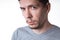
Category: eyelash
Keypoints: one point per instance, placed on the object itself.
(22, 8)
(34, 7)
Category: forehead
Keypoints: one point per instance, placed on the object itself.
(25, 3)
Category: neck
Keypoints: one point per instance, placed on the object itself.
(46, 27)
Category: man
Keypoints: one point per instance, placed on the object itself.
(36, 15)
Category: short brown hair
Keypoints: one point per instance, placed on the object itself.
(42, 1)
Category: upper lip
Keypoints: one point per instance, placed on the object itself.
(30, 22)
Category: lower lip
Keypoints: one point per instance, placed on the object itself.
(31, 23)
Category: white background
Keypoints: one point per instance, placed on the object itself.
(11, 17)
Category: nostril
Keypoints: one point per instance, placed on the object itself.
(29, 15)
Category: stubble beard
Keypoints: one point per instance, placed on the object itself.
(40, 25)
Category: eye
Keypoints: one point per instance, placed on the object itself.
(22, 8)
(33, 7)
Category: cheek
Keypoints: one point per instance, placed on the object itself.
(39, 16)
(36, 17)
(24, 15)
(36, 14)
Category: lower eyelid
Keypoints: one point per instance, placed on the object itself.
(33, 7)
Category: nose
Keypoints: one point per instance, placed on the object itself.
(28, 13)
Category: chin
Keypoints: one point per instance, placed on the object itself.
(33, 26)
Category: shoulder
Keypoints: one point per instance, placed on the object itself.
(18, 33)
(20, 30)
(55, 32)
(56, 29)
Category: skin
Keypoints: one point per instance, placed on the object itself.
(36, 15)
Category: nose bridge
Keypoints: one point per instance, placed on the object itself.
(28, 13)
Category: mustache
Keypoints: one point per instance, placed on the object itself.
(30, 20)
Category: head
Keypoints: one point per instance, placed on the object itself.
(35, 12)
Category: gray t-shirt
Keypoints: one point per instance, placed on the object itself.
(25, 33)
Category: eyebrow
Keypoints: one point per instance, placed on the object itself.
(31, 5)
(21, 7)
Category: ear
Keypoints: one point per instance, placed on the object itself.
(48, 7)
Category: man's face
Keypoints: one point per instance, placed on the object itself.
(34, 13)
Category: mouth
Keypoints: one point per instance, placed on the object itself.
(30, 22)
